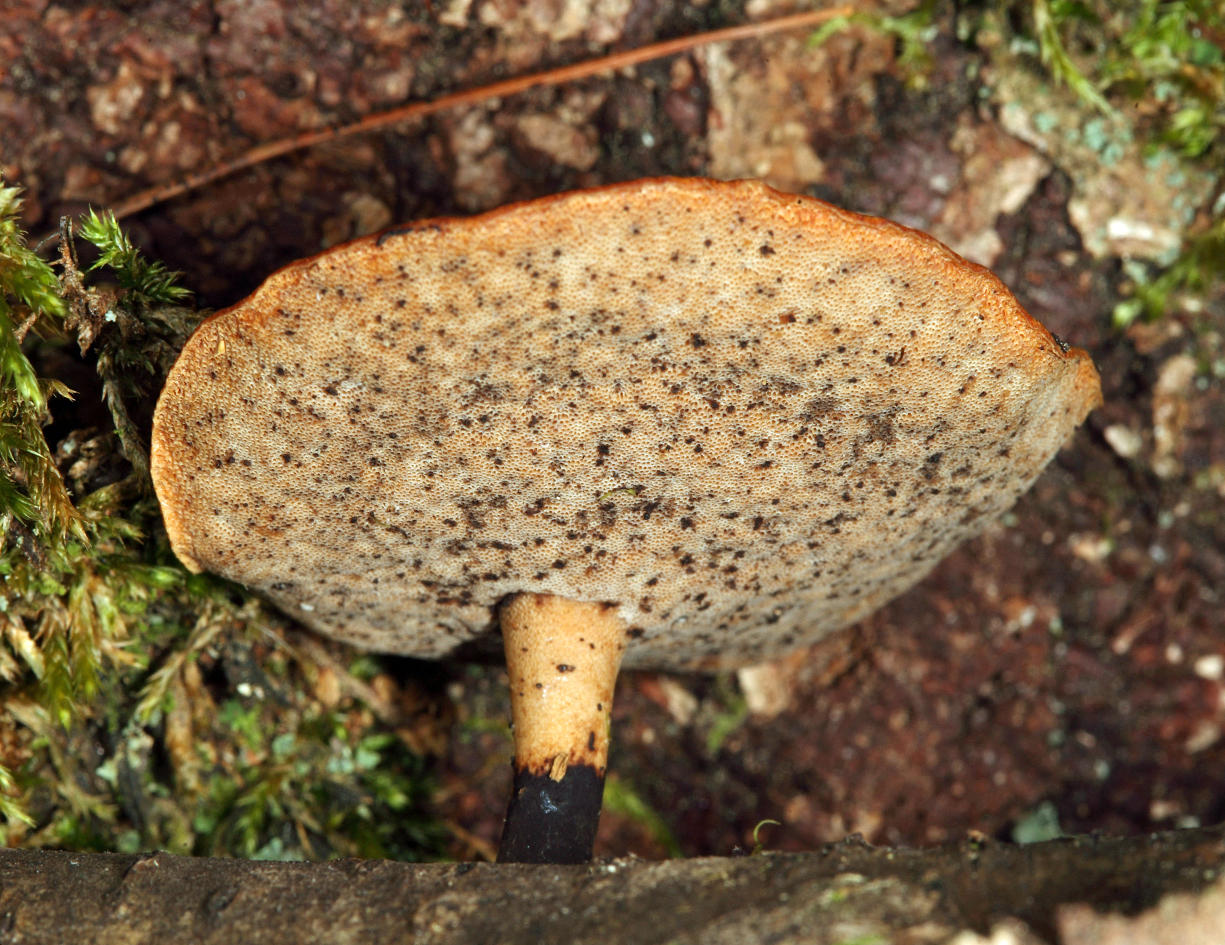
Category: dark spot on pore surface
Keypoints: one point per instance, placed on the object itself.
(880, 427)
(818, 407)
(565, 668)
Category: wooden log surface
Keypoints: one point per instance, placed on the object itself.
(844, 892)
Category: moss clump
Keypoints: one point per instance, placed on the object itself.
(1159, 59)
(131, 721)
(1154, 68)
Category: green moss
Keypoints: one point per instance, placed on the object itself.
(1159, 58)
(1149, 69)
(148, 280)
(1050, 19)
(1199, 268)
(307, 789)
(913, 33)
(131, 719)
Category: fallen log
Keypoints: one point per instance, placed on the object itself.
(843, 892)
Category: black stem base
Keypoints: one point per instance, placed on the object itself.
(551, 821)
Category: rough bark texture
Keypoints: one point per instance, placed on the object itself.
(844, 892)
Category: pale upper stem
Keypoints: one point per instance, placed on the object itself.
(562, 657)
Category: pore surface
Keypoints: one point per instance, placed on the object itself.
(745, 417)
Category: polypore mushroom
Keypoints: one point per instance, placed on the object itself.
(697, 423)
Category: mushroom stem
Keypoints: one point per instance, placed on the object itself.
(562, 657)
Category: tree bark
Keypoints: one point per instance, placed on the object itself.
(843, 892)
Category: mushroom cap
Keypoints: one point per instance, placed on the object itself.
(748, 418)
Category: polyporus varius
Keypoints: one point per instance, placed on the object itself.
(687, 422)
